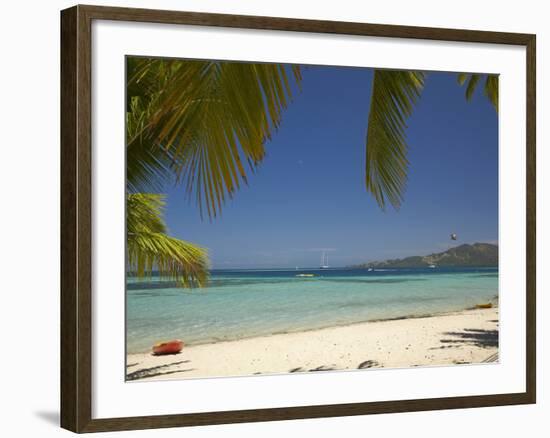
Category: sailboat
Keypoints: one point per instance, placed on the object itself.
(324, 261)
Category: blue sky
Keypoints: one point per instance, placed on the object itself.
(309, 192)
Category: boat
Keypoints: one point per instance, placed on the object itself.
(432, 266)
(167, 347)
(369, 270)
(324, 261)
(305, 275)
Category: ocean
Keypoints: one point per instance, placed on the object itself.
(244, 303)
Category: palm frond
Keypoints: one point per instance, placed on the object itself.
(394, 94)
(147, 164)
(472, 80)
(149, 248)
(185, 262)
(491, 90)
(461, 78)
(211, 120)
(144, 213)
(472, 84)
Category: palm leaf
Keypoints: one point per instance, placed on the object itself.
(491, 90)
(147, 164)
(149, 248)
(472, 80)
(210, 119)
(394, 94)
(178, 259)
(472, 84)
(144, 213)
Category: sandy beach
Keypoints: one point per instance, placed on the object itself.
(470, 336)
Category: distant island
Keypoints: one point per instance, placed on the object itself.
(478, 254)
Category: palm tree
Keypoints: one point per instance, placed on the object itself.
(200, 123)
(204, 124)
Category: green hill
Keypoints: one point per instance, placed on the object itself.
(478, 254)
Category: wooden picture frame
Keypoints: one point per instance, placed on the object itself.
(76, 218)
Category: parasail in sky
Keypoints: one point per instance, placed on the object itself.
(453, 236)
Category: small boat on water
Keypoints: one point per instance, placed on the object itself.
(168, 347)
(432, 266)
(305, 275)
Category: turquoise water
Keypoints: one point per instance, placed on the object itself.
(239, 304)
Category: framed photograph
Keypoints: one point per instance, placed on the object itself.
(269, 218)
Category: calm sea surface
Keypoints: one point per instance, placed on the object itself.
(245, 303)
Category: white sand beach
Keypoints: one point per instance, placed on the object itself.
(469, 336)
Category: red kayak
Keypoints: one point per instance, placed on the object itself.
(168, 347)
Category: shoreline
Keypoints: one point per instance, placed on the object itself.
(467, 336)
(493, 301)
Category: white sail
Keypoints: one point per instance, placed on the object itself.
(324, 260)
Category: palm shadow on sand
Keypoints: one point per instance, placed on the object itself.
(156, 371)
(473, 337)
